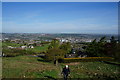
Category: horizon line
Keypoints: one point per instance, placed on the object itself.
(54, 33)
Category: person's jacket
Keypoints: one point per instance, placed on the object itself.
(66, 70)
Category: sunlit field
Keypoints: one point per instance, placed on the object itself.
(35, 67)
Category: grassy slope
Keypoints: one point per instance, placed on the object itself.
(87, 69)
(30, 67)
(27, 66)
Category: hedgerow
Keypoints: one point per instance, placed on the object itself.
(88, 59)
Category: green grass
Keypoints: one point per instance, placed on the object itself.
(39, 49)
(15, 67)
(0, 67)
(5, 44)
(36, 49)
(87, 69)
(31, 67)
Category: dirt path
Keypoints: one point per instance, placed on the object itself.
(73, 63)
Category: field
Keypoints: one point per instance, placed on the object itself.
(38, 49)
(27, 66)
(36, 67)
(5, 44)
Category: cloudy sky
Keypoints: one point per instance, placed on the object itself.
(60, 17)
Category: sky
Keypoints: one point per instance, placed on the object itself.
(60, 17)
(60, 0)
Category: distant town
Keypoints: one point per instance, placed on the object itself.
(31, 38)
(34, 40)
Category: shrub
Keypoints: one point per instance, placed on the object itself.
(88, 59)
(13, 52)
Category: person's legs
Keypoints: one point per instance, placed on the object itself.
(65, 76)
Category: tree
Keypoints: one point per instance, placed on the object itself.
(117, 53)
(57, 51)
(66, 47)
(96, 48)
(113, 48)
(112, 40)
(91, 49)
(102, 40)
(54, 54)
(54, 44)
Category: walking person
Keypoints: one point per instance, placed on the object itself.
(66, 72)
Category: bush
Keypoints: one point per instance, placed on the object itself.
(87, 59)
(13, 52)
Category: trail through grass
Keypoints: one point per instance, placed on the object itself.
(31, 67)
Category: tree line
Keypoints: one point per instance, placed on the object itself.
(102, 48)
